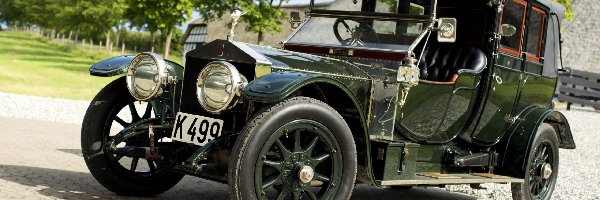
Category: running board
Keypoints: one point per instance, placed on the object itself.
(442, 179)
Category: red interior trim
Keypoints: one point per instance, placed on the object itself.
(509, 51)
(451, 82)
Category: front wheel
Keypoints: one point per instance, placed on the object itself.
(112, 109)
(542, 167)
(299, 148)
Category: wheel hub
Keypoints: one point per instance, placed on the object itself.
(306, 174)
(546, 171)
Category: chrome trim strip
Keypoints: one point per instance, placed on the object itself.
(371, 98)
(322, 73)
(296, 30)
(350, 48)
(418, 40)
(434, 181)
(260, 59)
(298, 53)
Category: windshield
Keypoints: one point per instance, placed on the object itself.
(413, 7)
(380, 24)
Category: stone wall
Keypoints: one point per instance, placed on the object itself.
(581, 48)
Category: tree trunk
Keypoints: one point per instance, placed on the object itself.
(168, 42)
(107, 34)
(152, 42)
(70, 34)
(77, 35)
(117, 40)
(261, 37)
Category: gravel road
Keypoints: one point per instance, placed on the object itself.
(578, 168)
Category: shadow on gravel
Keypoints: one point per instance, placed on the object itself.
(53, 183)
(366, 192)
(78, 185)
(76, 152)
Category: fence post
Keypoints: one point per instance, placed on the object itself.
(82, 44)
(91, 44)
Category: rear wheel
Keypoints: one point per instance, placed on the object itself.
(297, 149)
(542, 167)
(112, 109)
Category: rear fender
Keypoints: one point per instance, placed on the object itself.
(520, 139)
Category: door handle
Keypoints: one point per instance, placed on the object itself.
(498, 79)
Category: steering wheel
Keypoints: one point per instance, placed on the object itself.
(362, 31)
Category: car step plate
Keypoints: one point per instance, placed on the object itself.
(433, 178)
(437, 175)
(488, 175)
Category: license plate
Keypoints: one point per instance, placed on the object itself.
(196, 129)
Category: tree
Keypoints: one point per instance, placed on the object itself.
(91, 16)
(262, 16)
(154, 15)
(27, 12)
(106, 13)
(569, 15)
(9, 13)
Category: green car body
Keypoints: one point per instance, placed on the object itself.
(483, 121)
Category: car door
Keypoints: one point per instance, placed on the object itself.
(540, 67)
(507, 76)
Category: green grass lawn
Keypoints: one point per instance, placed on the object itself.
(32, 65)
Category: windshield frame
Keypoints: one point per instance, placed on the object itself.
(428, 21)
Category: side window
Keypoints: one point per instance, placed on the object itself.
(535, 33)
(513, 13)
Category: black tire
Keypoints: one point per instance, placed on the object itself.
(535, 186)
(94, 131)
(265, 123)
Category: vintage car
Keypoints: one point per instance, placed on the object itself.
(392, 93)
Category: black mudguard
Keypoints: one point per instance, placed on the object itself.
(519, 141)
(118, 65)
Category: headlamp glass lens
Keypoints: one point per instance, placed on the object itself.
(145, 77)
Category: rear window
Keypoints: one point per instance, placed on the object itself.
(535, 32)
(513, 14)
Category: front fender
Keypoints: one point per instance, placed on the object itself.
(520, 138)
(276, 86)
(118, 65)
(112, 66)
